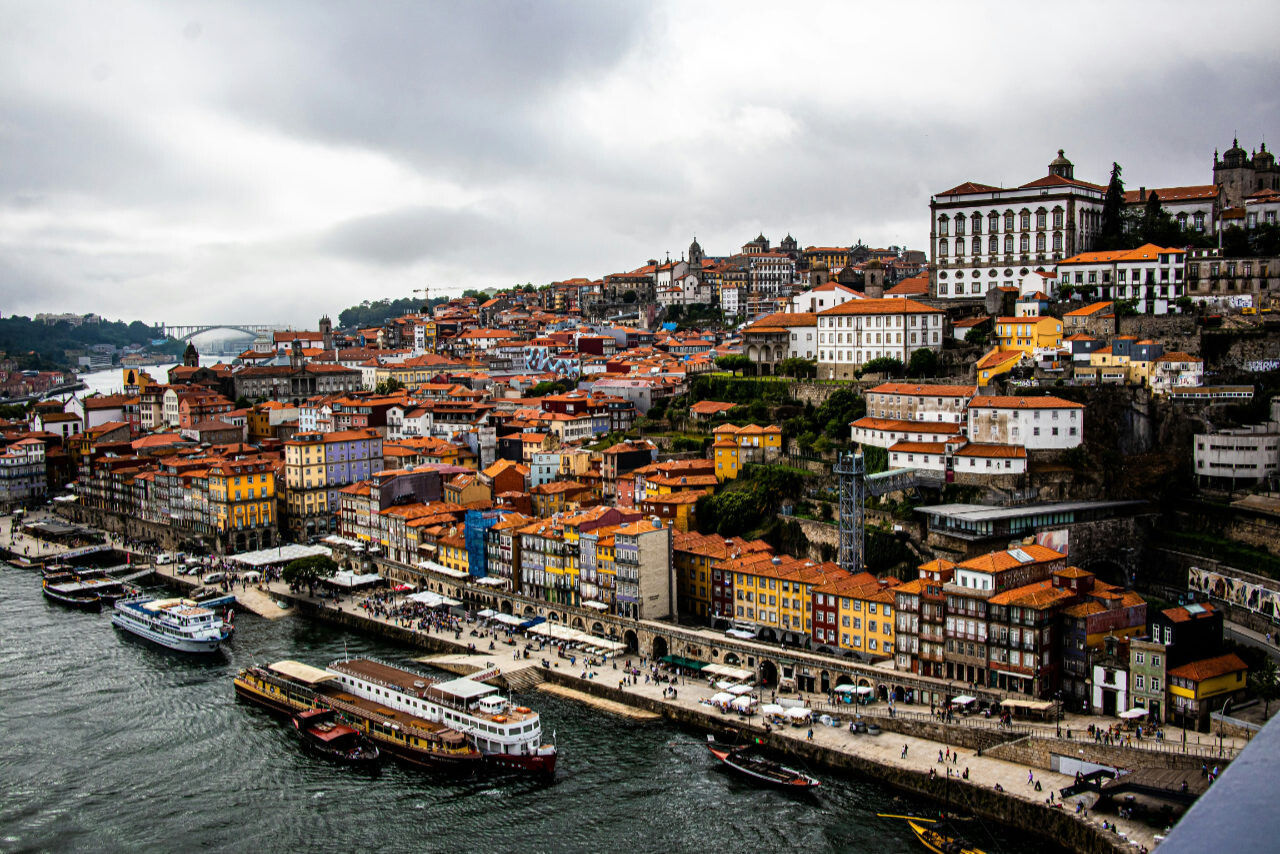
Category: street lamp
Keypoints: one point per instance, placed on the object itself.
(1059, 715)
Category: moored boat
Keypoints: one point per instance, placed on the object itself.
(936, 836)
(509, 736)
(739, 759)
(325, 735)
(174, 623)
(72, 593)
(289, 687)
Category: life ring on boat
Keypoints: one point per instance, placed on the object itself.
(499, 719)
(524, 710)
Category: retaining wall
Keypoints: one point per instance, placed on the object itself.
(1037, 751)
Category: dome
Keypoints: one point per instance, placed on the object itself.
(1264, 159)
(1061, 159)
(1062, 167)
(1235, 156)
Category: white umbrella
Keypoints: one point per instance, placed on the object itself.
(1134, 713)
(798, 714)
(772, 709)
(722, 698)
(739, 690)
(743, 704)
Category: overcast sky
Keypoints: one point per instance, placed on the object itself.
(270, 161)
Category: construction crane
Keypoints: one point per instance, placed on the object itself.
(426, 296)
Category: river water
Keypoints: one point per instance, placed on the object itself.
(111, 744)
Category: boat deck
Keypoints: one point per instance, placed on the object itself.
(376, 711)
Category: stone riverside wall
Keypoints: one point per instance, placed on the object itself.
(972, 738)
(1037, 751)
(1048, 822)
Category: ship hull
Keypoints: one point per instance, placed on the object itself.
(80, 603)
(178, 644)
(542, 765)
(438, 762)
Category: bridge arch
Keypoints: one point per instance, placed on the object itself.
(189, 332)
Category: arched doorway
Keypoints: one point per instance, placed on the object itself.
(882, 691)
(578, 623)
(660, 650)
(597, 629)
(899, 695)
(768, 674)
(630, 639)
(731, 658)
(529, 611)
(824, 682)
(554, 617)
(505, 606)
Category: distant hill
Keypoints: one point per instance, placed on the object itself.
(378, 312)
(35, 344)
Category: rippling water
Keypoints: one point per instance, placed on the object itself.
(110, 744)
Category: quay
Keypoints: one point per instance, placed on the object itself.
(990, 762)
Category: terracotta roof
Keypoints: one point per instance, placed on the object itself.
(1209, 668)
(1010, 402)
(918, 448)
(969, 187)
(1146, 252)
(1003, 561)
(999, 357)
(898, 425)
(881, 306)
(1092, 308)
(1058, 181)
(965, 391)
(1174, 194)
(979, 449)
(1040, 595)
(1182, 615)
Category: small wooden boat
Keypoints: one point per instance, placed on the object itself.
(758, 768)
(935, 836)
(325, 735)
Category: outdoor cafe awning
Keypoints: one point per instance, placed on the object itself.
(1134, 713)
(728, 672)
(1029, 705)
(681, 661)
(963, 700)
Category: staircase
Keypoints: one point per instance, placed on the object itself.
(523, 680)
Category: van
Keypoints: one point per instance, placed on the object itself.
(161, 560)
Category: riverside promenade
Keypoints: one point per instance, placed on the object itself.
(905, 761)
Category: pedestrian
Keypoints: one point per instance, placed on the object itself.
(1030, 778)
(810, 734)
(904, 751)
(939, 757)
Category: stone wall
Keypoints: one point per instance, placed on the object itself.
(1037, 751)
(817, 534)
(970, 737)
(1048, 822)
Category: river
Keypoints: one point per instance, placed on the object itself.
(110, 744)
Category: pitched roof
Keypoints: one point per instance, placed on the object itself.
(888, 305)
(1046, 401)
(969, 187)
(1146, 252)
(925, 390)
(1174, 194)
(1092, 308)
(1209, 668)
(1002, 561)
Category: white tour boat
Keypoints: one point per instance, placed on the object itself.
(509, 736)
(176, 623)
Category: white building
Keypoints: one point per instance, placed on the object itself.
(823, 297)
(887, 432)
(729, 302)
(1193, 207)
(983, 236)
(1036, 423)
(927, 456)
(1152, 275)
(1244, 455)
(920, 402)
(852, 334)
(1176, 370)
(978, 458)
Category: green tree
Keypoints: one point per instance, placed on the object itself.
(923, 363)
(799, 368)
(388, 386)
(977, 336)
(629, 297)
(1235, 243)
(734, 362)
(886, 365)
(1126, 307)
(875, 459)
(547, 387)
(1264, 683)
(1111, 234)
(306, 571)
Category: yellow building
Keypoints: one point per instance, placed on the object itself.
(465, 489)
(775, 593)
(998, 362)
(242, 499)
(698, 560)
(1028, 334)
(675, 511)
(726, 457)
(863, 611)
(1200, 687)
(451, 551)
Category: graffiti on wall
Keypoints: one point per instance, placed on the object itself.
(1243, 594)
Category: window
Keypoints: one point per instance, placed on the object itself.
(993, 244)
(1008, 244)
(1024, 220)
(1138, 682)
(1057, 241)
(1040, 219)
(959, 226)
(942, 247)
(1155, 683)
(1057, 219)
(1040, 242)
(942, 224)
(1024, 243)
(1008, 221)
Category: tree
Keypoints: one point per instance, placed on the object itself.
(733, 363)
(547, 387)
(886, 365)
(1126, 307)
(1184, 303)
(630, 297)
(1111, 233)
(306, 571)
(388, 386)
(923, 363)
(977, 336)
(1264, 683)
(799, 368)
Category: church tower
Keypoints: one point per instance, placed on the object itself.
(326, 332)
(695, 257)
(190, 358)
(1234, 174)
